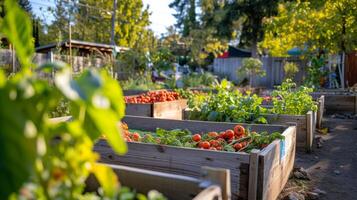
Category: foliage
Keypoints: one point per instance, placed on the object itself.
(141, 82)
(162, 59)
(315, 72)
(198, 80)
(62, 109)
(90, 21)
(292, 100)
(230, 106)
(42, 156)
(185, 14)
(251, 67)
(230, 140)
(290, 69)
(312, 25)
(133, 61)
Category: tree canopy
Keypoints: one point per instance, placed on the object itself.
(312, 26)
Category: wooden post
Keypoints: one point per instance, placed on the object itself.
(210, 193)
(309, 131)
(355, 105)
(219, 176)
(253, 174)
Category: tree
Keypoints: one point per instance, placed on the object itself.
(133, 20)
(25, 4)
(312, 26)
(185, 15)
(251, 67)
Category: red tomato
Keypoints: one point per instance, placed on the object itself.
(136, 137)
(196, 137)
(239, 130)
(214, 143)
(229, 134)
(205, 145)
(237, 146)
(213, 149)
(219, 148)
(222, 134)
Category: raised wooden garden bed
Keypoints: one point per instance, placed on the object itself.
(167, 110)
(338, 101)
(304, 130)
(256, 175)
(213, 183)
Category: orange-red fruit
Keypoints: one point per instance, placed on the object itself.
(205, 145)
(238, 146)
(229, 134)
(196, 137)
(214, 143)
(136, 137)
(239, 130)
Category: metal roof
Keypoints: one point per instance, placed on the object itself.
(84, 43)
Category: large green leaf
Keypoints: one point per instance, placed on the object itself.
(17, 147)
(16, 26)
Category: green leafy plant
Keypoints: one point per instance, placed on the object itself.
(315, 72)
(198, 80)
(292, 100)
(44, 159)
(251, 67)
(228, 105)
(290, 70)
(141, 82)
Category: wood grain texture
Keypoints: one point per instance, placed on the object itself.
(170, 185)
(320, 111)
(338, 101)
(275, 164)
(253, 174)
(166, 110)
(182, 161)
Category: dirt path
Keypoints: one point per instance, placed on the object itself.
(333, 167)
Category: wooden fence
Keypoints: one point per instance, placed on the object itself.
(7, 59)
(227, 68)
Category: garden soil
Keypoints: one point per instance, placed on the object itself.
(332, 167)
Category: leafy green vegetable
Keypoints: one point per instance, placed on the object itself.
(292, 100)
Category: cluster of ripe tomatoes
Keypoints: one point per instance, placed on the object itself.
(220, 141)
(153, 97)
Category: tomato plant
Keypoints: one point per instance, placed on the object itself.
(225, 141)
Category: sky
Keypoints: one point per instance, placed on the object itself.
(161, 15)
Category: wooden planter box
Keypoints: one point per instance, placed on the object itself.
(257, 175)
(320, 101)
(166, 110)
(338, 101)
(305, 125)
(214, 183)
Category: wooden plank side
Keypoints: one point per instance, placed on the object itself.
(139, 109)
(169, 109)
(310, 130)
(172, 186)
(220, 177)
(150, 124)
(182, 161)
(210, 193)
(320, 111)
(253, 174)
(339, 103)
(275, 164)
(301, 122)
